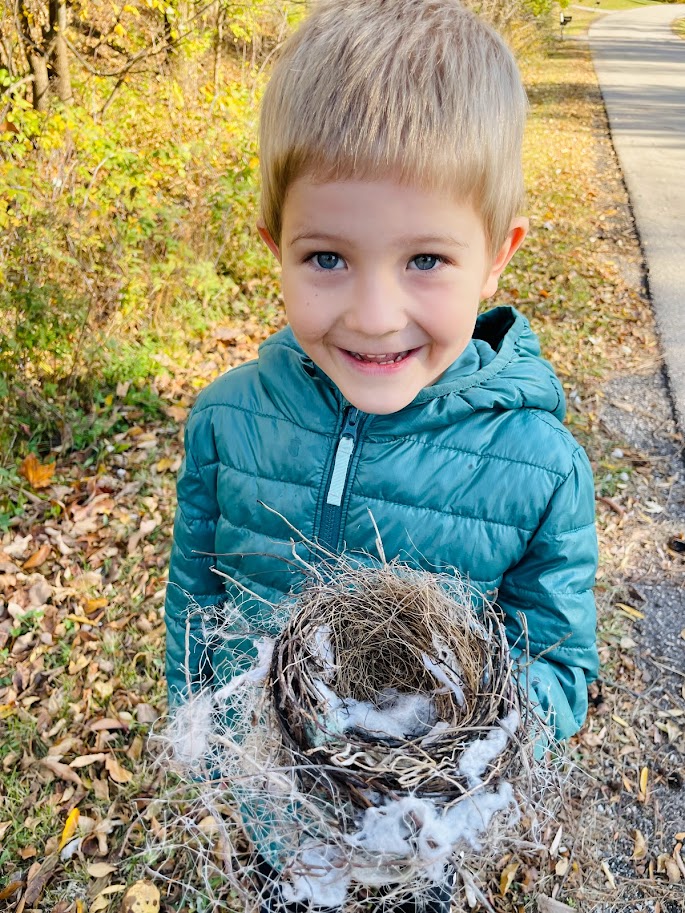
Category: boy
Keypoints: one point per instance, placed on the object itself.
(391, 162)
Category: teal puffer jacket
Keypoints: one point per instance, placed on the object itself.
(477, 474)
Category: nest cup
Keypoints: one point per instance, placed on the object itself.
(377, 638)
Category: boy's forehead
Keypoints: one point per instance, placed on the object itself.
(317, 209)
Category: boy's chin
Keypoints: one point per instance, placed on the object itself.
(377, 404)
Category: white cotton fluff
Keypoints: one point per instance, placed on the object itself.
(417, 830)
(190, 728)
(446, 677)
(390, 830)
(399, 716)
(469, 819)
(482, 752)
(319, 874)
(255, 675)
(435, 733)
(323, 649)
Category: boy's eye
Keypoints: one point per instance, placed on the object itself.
(328, 260)
(426, 262)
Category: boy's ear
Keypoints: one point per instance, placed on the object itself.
(517, 232)
(265, 235)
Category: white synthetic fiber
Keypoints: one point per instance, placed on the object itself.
(320, 874)
(447, 677)
(397, 716)
(323, 649)
(481, 753)
(190, 730)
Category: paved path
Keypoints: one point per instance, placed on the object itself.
(640, 64)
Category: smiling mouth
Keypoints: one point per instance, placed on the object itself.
(388, 358)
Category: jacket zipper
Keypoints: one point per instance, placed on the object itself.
(331, 516)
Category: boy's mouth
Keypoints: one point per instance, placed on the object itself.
(387, 358)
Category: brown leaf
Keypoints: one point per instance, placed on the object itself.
(118, 773)
(37, 474)
(61, 770)
(38, 558)
(87, 759)
(177, 413)
(11, 888)
(507, 877)
(107, 723)
(38, 879)
(549, 905)
(100, 869)
(141, 897)
(640, 846)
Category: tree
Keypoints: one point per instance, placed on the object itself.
(43, 32)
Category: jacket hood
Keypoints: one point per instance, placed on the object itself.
(500, 369)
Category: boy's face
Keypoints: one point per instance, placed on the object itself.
(382, 282)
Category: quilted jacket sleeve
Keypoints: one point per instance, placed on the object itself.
(552, 587)
(192, 584)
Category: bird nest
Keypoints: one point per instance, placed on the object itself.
(381, 680)
(372, 746)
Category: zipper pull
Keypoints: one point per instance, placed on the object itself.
(343, 455)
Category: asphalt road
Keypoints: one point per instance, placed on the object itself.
(640, 65)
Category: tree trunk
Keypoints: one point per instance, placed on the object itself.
(41, 81)
(59, 54)
(37, 58)
(218, 41)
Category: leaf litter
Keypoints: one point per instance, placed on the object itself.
(82, 578)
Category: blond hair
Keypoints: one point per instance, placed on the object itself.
(418, 89)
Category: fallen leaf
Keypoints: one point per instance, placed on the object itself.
(107, 723)
(63, 771)
(69, 828)
(141, 897)
(609, 875)
(37, 474)
(549, 905)
(644, 777)
(11, 888)
(630, 611)
(100, 869)
(561, 868)
(118, 773)
(102, 900)
(640, 845)
(4, 825)
(38, 879)
(507, 877)
(38, 558)
(87, 759)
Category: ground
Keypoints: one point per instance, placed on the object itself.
(83, 562)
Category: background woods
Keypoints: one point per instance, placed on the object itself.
(128, 185)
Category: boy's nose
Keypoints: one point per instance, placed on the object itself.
(376, 309)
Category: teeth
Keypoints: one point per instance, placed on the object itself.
(387, 359)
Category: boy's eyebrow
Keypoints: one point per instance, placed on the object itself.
(403, 241)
